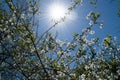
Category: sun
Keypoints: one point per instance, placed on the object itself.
(56, 12)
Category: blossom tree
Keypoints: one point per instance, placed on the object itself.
(26, 56)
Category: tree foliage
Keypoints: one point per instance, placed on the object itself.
(24, 56)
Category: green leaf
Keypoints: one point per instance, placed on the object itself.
(62, 66)
(23, 60)
(55, 64)
(21, 43)
(107, 41)
(113, 63)
(69, 57)
(92, 51)
(12, 7)
(78, 1)
(75, 34)
(97, 15)
(118, 14)
(0, 3)
(81, 53)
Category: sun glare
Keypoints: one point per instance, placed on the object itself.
(56, 12)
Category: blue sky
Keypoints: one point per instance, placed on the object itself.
(78, 21)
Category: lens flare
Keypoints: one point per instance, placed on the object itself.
(56, 12)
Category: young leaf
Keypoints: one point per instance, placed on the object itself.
(75, 34)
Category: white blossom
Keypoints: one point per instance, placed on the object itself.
(10, 20)
(86, 67)
(6, 22)
(82, 77)
(22, 16)
(2, 21)
(14, 11)
(101, 25)
(61, 43)
(89, 15)
(118, 71)
(3, 64)
(42, 51)
(92, 32)
(91, 23)
(118, 48)
(92, 66)
(59, 52)
(12, 23)
(68, 44)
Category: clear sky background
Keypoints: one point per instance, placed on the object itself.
(77, 21)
